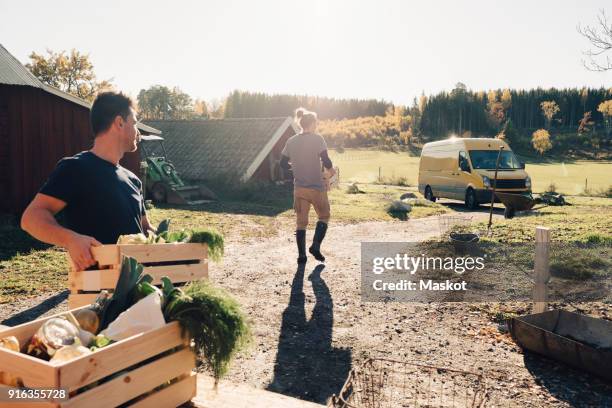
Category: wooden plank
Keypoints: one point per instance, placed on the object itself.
(110, 254)
(541, 270)
(94, 280)
(76, 300)
(25, 331)
(136, 382)
(87, 369)
(234, 395)
(178, 273)
(171, 396)
(34, 372)
(106, 254)
(164, 252)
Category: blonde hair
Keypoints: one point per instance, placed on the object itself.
(305, 118)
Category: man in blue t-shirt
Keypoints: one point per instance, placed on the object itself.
(101, 199)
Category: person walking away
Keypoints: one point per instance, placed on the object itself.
(306, 155)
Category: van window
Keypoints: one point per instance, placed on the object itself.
(486, 159)
(463, 161)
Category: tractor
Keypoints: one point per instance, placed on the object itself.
(161, 181)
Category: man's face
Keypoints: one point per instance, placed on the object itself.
(130, 136)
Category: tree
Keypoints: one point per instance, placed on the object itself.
(549, 110)
(506, 99)
(600, 37)
(72, 73)
(585, 124)
(200, 109)
(541, 141)
(508, 133)
(606, 110)
(160, 103)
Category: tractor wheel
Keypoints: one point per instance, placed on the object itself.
(159, 193)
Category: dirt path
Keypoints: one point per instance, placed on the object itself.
(310, 326)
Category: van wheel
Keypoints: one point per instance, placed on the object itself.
(429, 195)
(470, 199)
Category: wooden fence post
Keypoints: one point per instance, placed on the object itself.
(541, 270)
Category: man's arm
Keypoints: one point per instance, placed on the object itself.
(146, 225)
(39, 221)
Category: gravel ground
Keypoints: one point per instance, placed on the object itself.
(310, 326)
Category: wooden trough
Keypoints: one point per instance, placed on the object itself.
(181, 262)
(151, 369)
(580, 341)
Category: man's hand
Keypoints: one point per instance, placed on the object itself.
(79, 248)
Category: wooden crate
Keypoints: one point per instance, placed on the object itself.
(166, 355)
(85, 285)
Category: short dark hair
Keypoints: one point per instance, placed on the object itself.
(106, 107)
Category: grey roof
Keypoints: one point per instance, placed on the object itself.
(12, 72)
(206, 149)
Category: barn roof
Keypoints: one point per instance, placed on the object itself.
(205, 149)
(13, 72)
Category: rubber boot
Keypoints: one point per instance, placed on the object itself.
(315, 248)
(300, 239)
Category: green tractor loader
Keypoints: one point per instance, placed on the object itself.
(162, 182)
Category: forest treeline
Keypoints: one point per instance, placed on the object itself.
(241, 104)
(482, 113)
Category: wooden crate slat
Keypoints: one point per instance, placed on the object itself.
(171, 396)
(136, 382)
(95, 280)
(76, 300)
(178, 273)
(87, 369)
(34, 372)
(163, 252)
(25, 331)
(106, 254)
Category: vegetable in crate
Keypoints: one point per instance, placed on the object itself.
(212, 318)
(123, 295)
(51, 336)
(10, 343)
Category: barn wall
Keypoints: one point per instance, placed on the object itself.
(37, 129)
(4, 153)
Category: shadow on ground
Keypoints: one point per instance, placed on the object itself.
(307, 366)
(265, 199)
(566, 384)
(36, 311)
(457, 206)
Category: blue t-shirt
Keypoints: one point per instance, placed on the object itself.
(102, 200)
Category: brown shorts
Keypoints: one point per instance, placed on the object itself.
(303, 198)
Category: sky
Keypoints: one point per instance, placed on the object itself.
(383, 49)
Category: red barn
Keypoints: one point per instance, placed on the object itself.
(39, 125)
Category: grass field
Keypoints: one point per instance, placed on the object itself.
(569, 178)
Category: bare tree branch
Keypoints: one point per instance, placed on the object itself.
(600, 37)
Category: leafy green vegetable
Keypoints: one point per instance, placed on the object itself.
(213, 319)
(162, 227)
(123, 295)
(144, 289)
(213, 239)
